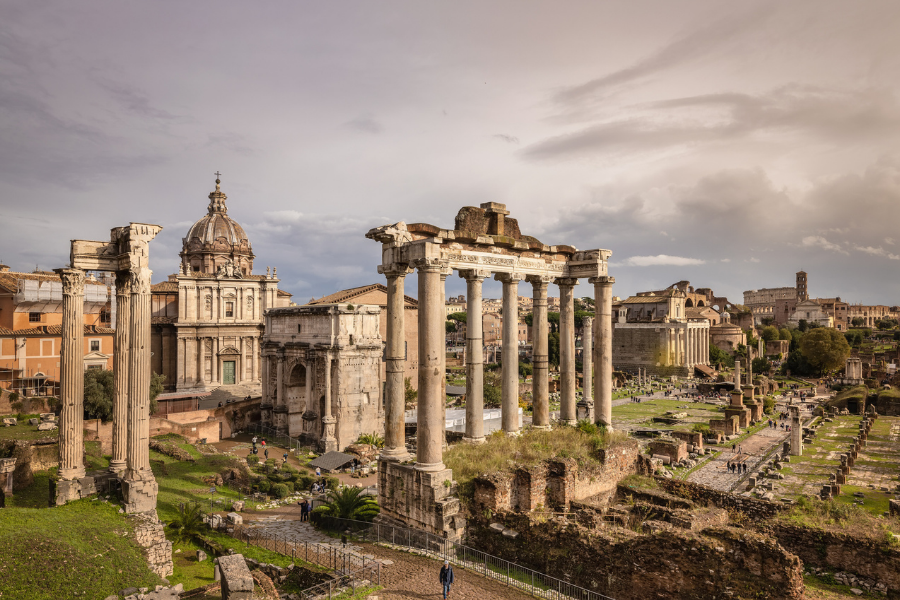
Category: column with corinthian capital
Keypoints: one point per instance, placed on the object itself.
(71, 425)
(509, 369)
(430, 409)
(395, 365)
(121, 368)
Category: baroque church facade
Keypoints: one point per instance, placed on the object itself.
(208, 319)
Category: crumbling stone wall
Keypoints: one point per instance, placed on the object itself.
(31, 456)
(559, 482)
(150, 535)
(754, 508)
(719, 562)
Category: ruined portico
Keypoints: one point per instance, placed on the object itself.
(127, 255)
(484, 242)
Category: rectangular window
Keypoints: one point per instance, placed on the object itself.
(94, 367)
(95, 345)
(104, 316)
(34, 317)
(299, 328)
(229, 309)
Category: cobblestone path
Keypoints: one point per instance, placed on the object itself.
(715, 472)
(416, 577)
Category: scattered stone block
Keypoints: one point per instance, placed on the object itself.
(235, 518)
(237, 583)
(47, 426)
(498, 527)
(201, 555)
(34, 421)
(9, 422)
(237, 505)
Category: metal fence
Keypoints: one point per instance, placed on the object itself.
(281, 440)
(529, 581)
(352, 569)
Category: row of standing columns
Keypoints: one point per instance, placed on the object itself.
(431, 396)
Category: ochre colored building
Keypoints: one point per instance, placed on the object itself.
(31, 329)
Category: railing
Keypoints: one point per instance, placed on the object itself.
(278, 439)
(538, 585)
(351, 568)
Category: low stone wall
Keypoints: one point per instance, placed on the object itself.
(718, 562)
(151, 536)
(702, 495)
(862, 556)
(31, 456)
(190, 430)
(557, 483)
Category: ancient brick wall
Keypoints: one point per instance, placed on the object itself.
(719, 562)
(150, 535)
(756, 509)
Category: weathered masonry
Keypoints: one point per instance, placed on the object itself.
(127, 254)
(484, 242)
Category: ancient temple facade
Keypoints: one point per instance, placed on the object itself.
(208, 319)
(321, 372)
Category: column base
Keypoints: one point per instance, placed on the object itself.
(514, 433)
(430, 467)
(328, 444)
(542, 427)
(139, 494)
(471, 440)
(394, 454)
(571, 422)
(71, 474)
(117, 466)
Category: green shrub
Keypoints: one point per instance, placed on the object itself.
(332, 483)
(280, 490)
(264, 486)
(289, 485)
(700, 428)
(252, 460)
(768, 405)
(304, 482)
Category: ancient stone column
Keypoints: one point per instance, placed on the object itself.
(121, 368)
(737, 374)
(329, 441)
(540, 384)
(71, 428)
(395, 366)
(254, 360)
(430, 409)
(279, 381)
(474, 357)
(509, 371)
(140, 488)
(567, 410)
(201, 360)
(603, 349)
(796, 432)
(587, 364)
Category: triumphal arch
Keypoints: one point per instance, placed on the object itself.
(484, 242)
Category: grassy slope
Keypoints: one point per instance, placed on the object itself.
(52, 553)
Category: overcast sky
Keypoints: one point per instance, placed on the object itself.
(730, 144)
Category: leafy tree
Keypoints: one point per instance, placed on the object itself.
(450, 326)
(580, 315)
(797, 364)
(280, 490)
(348, 503)
(553, 348)
(886, 323)
(796, 336)
(752, 340)
(99, 393)
(459, 317)
(785, 334)
(717, 355)
(525, 369)
(528, 319)
(189, 522)
(825, 349)
(854, 338)
(410, 394)
(857, 322)
(761, 365)
(492, 394)
(803, 325)
(769, 333)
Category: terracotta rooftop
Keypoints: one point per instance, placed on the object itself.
(54, 330)
(645, 299)
(347, 295)
(165, 286)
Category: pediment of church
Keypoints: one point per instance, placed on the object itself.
(230, 350)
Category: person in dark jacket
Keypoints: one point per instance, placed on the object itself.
(446, 578)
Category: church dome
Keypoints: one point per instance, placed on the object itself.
(216, 240)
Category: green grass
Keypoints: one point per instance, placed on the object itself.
(36, 495)
(24, 431)
(48, 554)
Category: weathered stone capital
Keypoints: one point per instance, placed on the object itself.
(566, 281)
(474, 274)
(140, 280)
(72, 281)
(539, 280)
(509, 277)
(587, 321)
(605, 280)
(391, 235)
(394, 270)
(430, 265)
(123, 283)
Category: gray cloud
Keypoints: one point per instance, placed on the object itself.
(510, 139)
(366, 123)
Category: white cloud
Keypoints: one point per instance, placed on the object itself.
(877, 252)
(661, 260)
(726, 260)
(753, 260)
(889, 241)
(813, 241)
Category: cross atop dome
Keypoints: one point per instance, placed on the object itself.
(217, 199)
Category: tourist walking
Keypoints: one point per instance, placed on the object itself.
(266, 452)
(304, 510)
(446, 578)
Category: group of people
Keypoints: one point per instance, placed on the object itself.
(262, 444)
(737, 467)
(774, 425)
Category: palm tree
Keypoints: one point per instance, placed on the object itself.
(372, 439)
(189, 523)
(349, 503)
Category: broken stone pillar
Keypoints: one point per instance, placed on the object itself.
(7, 467)
(796, 432)
(71, 422)
(475, 359)
(603, 384)
(586, 406)
(395, 359)
(509, 369)
(237, 582)
(139, 487)
(329, 441)
(121, 369)
(540, 353)
(737, 374)
(567, 411)
(430, 409)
